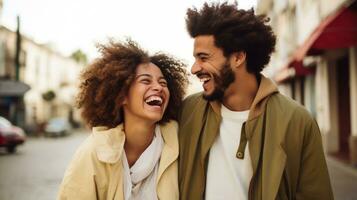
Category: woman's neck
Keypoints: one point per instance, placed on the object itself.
(138, 136)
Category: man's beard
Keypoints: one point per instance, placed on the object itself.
(221, 82)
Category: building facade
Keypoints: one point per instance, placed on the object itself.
(51, 79)
(315, 63)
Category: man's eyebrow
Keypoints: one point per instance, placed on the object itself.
(199, 54)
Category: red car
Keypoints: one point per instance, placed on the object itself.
(10, 135)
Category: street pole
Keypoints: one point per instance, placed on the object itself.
(18, 50)
(18, 114)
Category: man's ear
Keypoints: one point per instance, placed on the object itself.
(238, 58)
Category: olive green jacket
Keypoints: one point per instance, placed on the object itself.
(284, 145)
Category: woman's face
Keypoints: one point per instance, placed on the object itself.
(148, 95)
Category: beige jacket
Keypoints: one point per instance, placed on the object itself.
(96, 170)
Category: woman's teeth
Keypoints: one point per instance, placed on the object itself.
(154, 101)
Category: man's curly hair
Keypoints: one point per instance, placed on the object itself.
(234, 30)
(106, 81)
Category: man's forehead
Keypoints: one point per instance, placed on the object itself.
(204, 45)
(204, 40)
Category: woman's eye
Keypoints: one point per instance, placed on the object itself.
(163, 83)
(146, 81)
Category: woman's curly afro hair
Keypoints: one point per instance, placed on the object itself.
(234, 30)
(105, 82)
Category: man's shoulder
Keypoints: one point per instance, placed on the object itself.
(280, 103)
(192, 107)
(193, 100)
(194, 96)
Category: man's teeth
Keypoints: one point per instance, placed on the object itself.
(204, 79)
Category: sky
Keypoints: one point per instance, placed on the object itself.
(68, 25)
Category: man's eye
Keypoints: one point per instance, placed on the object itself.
(203, 58)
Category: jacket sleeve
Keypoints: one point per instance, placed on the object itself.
(79, 180)
(314, 181)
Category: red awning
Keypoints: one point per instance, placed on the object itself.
(292, 69)
(338, 30)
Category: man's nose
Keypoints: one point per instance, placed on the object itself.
(196, 67)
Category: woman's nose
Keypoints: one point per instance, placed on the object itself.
(157, 86)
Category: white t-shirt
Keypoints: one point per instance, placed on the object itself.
(227, 176)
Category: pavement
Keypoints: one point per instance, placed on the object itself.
(343, 179)
(35, 171)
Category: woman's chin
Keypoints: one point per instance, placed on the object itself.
(154, 117)
(154, 113)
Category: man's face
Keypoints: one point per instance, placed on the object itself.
(211, 67)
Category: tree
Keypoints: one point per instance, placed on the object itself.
(49, 95)
(79, 56)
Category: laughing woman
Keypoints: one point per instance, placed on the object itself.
(130, 100)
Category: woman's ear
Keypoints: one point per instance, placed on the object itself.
(125, 101)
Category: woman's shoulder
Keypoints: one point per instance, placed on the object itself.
(103, 135)
(170, 125)
(103, 144)
(108, 143)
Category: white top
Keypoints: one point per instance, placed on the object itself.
(140, 180)
(227, 176)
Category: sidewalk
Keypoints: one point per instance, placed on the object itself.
(343, 179)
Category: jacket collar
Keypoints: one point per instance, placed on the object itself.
(266, 88)
(110, 144)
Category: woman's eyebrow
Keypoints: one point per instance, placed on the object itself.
(161, 77)
(140, 75)
(150, 76)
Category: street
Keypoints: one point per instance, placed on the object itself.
(36, 170)
(343, 179)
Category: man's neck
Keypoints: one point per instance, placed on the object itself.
(240, 95)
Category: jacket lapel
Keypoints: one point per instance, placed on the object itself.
(170, 151)
(274, 155)
(210, 130)
(264, 145)
(254, 142)
(266, 152)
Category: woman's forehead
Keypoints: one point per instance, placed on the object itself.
(149, 70)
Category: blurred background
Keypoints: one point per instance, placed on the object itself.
(44, 44)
